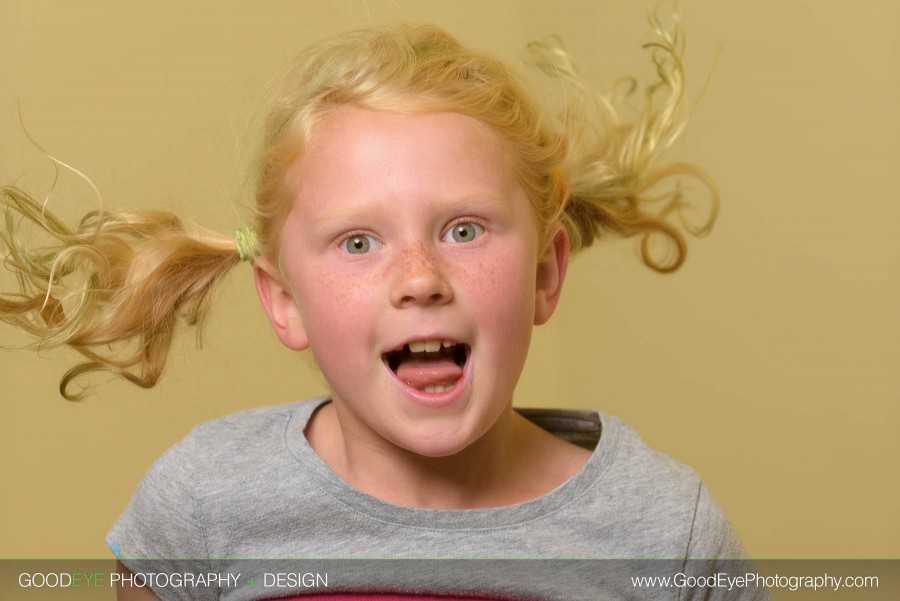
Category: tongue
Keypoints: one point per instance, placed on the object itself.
(420, 373)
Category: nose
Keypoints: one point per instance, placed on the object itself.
(420, 279)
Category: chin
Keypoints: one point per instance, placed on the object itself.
(437, 447)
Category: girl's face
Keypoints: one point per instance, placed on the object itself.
(414, 273)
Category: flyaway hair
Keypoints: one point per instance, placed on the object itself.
(118, 278)
(117, 286)
(616, 181)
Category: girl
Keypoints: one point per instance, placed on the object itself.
(415, 213)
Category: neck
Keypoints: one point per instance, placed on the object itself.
(513, 462)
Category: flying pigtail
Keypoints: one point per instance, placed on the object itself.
(115, 288)
(615, 182)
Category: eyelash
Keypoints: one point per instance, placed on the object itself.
(344, 241)
(464, 221)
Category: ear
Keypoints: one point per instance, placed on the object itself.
(278, 302)
(551, 273)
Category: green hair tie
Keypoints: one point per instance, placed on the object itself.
(246, 243)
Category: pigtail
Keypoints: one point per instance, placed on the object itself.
(615, 182)
(115, 288)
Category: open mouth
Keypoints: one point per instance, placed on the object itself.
(428, 365)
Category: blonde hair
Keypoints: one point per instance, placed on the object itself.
(129, 278)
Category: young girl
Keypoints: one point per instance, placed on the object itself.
(415, 213)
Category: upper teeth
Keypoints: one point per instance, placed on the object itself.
(429, 346)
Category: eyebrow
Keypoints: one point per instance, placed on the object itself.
(336, 219)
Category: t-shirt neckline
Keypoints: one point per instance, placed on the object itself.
(484, 518)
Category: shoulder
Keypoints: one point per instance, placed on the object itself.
(242, 427)
(661, 478)
(657, 504)
(673, 494)
(619, 453)
(238, 453)
(239, 436)
(221, 466)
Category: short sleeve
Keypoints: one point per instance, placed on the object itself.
(712, 537)
(715, 551)
(162, 524)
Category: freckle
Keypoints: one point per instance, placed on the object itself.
(326, 281)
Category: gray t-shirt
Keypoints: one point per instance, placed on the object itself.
(249, 486)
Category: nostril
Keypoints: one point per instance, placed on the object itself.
(420, 278)
(435, 298)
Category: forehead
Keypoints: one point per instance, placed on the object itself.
(355, 151)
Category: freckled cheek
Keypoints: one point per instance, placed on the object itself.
(502, 289)
(340, 289)
(335, 307)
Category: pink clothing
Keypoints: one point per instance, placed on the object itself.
(378, 597)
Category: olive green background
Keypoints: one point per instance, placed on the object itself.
(769, 362)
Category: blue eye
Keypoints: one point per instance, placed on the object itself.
(358, 244)
(463, 232)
